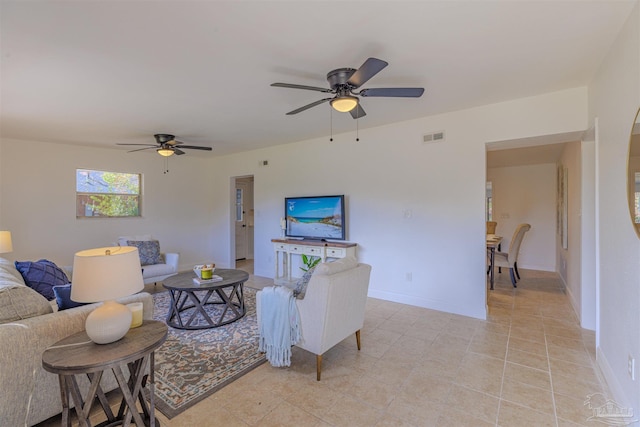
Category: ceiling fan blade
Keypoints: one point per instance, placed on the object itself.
(292, 86)
(141, 149)
(177, 151)
(306, 107)
(358, 112)
(146, 145)
(401, 92)
(194, 147)
(370, 68)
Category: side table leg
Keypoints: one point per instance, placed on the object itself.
(152, 384)
(64, 396)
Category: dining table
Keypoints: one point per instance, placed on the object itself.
(493, 243)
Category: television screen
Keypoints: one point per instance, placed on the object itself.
(320, 217)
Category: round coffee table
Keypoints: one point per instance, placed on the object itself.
(208, 305)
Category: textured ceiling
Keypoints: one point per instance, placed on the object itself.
(97, 73)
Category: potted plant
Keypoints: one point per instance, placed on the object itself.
(309, 262)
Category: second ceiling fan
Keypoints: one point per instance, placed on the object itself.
(166, 145)
(344, 81)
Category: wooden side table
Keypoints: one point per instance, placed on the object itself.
(77, 355)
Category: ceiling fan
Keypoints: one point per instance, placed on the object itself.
(166, 145)
(343, 82)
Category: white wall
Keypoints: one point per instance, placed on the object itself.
(614, 97)
(569, 259)
(38, 202)
(587, 307)
(390, 171)
(527, 194)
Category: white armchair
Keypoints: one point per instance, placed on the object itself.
(156, 272)
(333, 307)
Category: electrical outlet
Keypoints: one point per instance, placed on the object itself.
(631, 368)
(409, 276)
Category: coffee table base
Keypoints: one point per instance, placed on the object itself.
(187, 307)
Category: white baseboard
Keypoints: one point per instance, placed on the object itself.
(428, 303)
(612, 382)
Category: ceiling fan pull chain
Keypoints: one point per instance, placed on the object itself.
(357, 128)
(331, 123)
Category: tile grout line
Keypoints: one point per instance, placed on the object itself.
(553, 395)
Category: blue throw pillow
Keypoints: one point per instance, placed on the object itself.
(42, 276)
(63, 297)
(149, 251)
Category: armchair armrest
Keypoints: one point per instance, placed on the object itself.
(172, 258)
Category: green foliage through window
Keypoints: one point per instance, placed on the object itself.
(107, 194)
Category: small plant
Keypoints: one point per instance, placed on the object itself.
(309, 262)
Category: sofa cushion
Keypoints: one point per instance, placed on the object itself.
(149, 251)
(9, 276)
(329, 268)
(157, 270)
(63, 297)
(42, 276)
(21, 302)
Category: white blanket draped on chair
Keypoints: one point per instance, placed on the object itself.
(279, 324)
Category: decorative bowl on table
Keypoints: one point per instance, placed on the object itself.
(204, 271)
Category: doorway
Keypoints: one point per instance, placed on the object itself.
(243, 218)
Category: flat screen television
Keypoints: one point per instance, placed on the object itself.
(315, 218)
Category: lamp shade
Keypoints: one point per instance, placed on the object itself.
(5, 242)
(106, 273)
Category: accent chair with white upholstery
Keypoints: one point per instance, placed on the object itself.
(156, 265)
(510, 259)
(333, 306)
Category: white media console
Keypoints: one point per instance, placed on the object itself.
(285, 248)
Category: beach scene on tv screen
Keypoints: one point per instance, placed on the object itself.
(320, 218)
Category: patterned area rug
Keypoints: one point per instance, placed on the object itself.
(192, 365)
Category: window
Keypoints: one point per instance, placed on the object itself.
(489, 201)
(239, 207)
(107, 194)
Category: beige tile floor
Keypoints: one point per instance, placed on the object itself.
(528, 364)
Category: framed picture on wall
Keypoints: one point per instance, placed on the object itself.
(563, 206)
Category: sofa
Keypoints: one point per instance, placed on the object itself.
(29, 323)
(156, 265)
(331, 304)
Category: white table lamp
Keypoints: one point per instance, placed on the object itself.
(105, 274)
(5, 242)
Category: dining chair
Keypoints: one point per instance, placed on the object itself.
(491, 227)
(510, 259)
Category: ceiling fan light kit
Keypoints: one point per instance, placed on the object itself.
(343, 82)
(344, 104)
(165, 152)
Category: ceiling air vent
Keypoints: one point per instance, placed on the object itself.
(433, 137)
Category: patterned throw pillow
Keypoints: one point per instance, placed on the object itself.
(42, 276)
(63, 297)
(149, 251)
(301, 287)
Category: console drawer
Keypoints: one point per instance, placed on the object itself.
(336, 252)
(313, 250)
(295, 249)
